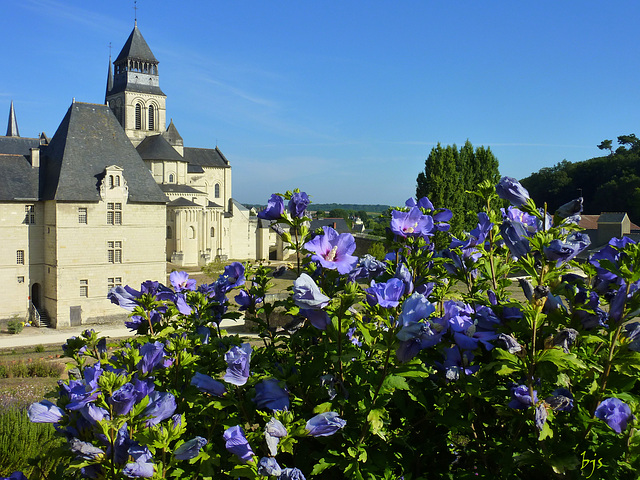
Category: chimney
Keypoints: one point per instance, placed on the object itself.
(35, 158)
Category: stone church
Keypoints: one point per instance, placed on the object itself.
(109, 199)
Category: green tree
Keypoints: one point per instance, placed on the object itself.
(449, 174)
(606, 145)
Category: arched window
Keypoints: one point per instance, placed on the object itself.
(192, 232)
(151, 118)
(169, 233)
(172, 178)
(217, 190)
(213, 232)
(138, 117)
(110, 181)
(117, 180)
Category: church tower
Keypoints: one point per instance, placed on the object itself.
(133, 90)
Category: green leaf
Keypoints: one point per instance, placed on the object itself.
(562, 360)
(321, 466)
(393, 382)
(377, 419)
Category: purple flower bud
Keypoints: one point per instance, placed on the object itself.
(324, 424)
(206, 384)
(141, 466)
(522, 398)
(509, 189)
(236, 443)
(270, 395)
(298, 204)
(45, 412)
(274, 210)
(123, 297)
(306, 293)
(269, 466)
(515, 238)
(615, 413)
(190, 449)
(238, 360)
(291, 474)
(123, 399)
(273, 432)
(387, 294)
(85, 450)
(541, 416)
(561, 400)
(152, 356)
(161, 406)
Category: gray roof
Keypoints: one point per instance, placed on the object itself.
(18, 145)
(213, 205)
(175, 188)
(88, 140)
(20, 180)
(206, 157)
(611, 217)
(339, 224)
(182, 202)
(121, 86)
(194, 169)
(156, 147)
(136, 47)
(172, 135)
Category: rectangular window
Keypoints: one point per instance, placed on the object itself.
(113, 282)
(30, 214)
(20, 279)
(82, 215)
(20, 257)
(84, 288)
(114, 252)
(114, 214)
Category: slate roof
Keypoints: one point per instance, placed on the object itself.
(339, 224)
(611, 217)
(194, 169)
(156, 147)
(175, 188)
(121, 86)
(88, 140)
(206, 157)
(18, 145)
(214, 205)
(19, 179)
(172, 135)
(136, 47)
(182, 202)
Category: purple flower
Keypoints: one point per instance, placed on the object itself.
(273, 432)
(456, 362)
(17, 475)
(324, 424)
(291, 474)
(333, 251)
(152, 356)
(564, 251)
(181, 281)
(93, 414)
(85, 450)
(318, 318)
(418, 336)
(123, 399)
(509, 189)
(403, 273)
(515, 236)
(245, 300)
(570, 209)
(141, 467)
(615, 413)
(233, 276)
(206, 384)
(274, 210)
(411, 224)
(424, 202)
(190, 449)
(522, 397)
(509, 343)
(387, 294)
(122, 296)
(540, 416)
(415, 308)
(44, 412)
(561, 400)
(270, 395)
(306, 293)
(236, 443)
(298, 204)
(268, 466)
(161, 406)
(238, 359)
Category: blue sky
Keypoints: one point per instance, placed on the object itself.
(344, 99)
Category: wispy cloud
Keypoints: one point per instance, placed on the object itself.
(72, 13)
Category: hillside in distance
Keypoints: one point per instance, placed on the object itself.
(327, 207)
(608, 184)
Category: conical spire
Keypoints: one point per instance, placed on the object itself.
(109, 80)
(12, 127)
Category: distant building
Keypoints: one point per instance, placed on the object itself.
(602, 228)
(109, 199)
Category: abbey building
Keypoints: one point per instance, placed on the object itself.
(109, 199)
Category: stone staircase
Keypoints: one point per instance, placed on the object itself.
(39, 317)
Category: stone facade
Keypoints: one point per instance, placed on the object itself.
(109, 199)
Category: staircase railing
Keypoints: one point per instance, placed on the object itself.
(34, 315)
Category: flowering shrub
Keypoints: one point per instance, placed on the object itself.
(429, 364)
